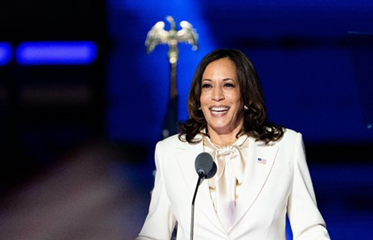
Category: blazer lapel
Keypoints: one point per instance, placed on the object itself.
(203, 203)
(258, 167)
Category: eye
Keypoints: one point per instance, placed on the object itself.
(206, 85)
(229, 85)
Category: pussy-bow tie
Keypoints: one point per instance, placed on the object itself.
(233, 154)
(231, 167)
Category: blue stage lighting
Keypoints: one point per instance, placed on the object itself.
(5, 53)
(56, 53)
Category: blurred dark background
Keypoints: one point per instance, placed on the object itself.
(314, 59)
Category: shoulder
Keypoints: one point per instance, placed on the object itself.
(291, 136)
(171, 139)
(291, 133)
(175, 141)
(172, 142)
(291, 144)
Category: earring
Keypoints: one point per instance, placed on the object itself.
(245, 107)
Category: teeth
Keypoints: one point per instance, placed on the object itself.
(219, 109)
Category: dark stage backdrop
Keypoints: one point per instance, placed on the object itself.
(47, 109)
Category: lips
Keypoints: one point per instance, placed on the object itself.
(219, 109)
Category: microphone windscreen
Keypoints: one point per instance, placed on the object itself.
(204, 165)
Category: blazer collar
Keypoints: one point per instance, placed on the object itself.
(259, 163)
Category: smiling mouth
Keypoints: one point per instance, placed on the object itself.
(219, 109)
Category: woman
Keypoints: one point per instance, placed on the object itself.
(262, 174)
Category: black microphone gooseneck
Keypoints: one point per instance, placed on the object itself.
(206, 168)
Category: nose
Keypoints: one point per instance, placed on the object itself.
(217, 94)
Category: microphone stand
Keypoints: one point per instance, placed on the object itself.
(200, 178)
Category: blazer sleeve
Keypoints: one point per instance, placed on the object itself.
(160, 221)
(304, 216)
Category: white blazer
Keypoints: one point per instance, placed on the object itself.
(269, 191)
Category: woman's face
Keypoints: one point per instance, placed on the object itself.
(220, 97)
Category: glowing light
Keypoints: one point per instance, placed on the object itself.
(5, 53)
(56, 53)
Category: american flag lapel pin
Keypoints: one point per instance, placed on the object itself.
(262, 160)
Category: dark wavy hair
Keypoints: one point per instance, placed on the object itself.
(255, 124)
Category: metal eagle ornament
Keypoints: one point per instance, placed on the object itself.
(158, 35)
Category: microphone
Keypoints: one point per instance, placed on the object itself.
(205, 168)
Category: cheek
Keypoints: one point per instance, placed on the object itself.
(236, 99)
(203, 99)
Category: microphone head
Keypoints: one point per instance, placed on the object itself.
(205, 166)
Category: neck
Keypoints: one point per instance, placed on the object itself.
(223, 139)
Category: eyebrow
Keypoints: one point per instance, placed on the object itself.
(224, 79)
